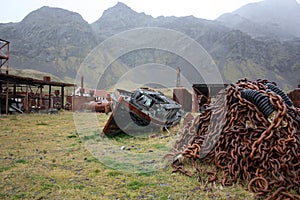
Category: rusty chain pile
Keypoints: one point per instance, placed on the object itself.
(245, 144)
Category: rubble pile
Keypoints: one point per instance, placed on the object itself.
(252, 136)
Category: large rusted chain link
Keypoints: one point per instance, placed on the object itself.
(244, 144)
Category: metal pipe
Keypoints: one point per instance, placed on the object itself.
(81, 89)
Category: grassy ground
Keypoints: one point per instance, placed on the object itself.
(44, 157)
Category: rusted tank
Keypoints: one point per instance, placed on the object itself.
(102, 106)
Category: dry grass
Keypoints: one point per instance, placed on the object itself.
(44, 157)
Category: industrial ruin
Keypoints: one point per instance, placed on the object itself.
(20, 94)
(23, 94)
(87, 99)
(253, 137)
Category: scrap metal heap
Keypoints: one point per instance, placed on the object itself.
(140, 111)
(252, 136)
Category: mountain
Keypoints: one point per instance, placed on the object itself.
(53, 40)
(279, 19)
(57, 41)
(236, 53)
(119, 18)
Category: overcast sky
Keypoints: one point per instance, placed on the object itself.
(91, 10)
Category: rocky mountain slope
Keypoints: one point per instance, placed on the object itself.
(279, 19)
(57, 41)
(49, 39)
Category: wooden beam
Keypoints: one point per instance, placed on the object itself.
(62, 97)
(41, 97)
(49, 94)
(27, 100)
(6, 106)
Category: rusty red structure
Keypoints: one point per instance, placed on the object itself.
(4, 55)
(295, 96)
(20, 94)
(182, 96)
(197, 99)
(23, 94)
(87, 99)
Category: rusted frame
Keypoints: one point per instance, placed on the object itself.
(4, 55)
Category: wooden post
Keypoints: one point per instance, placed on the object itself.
(27, 100)
(62, 97)
(6, 106)
(41, 97)
(15, 92)
(49, 105)
(7, 66)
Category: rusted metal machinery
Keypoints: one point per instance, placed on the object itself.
(252, 135)
(295, 96)
(141, 111)
(102, 106)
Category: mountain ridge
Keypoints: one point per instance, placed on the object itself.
(272, 18)
(60, 43)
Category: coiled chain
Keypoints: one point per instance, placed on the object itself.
(244, 144)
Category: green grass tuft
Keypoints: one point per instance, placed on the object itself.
(21, 161)
(20, 196)
(134, 185)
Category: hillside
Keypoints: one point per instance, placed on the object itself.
(31, 73)
(49, 39)
(57, 41)
(266, 19)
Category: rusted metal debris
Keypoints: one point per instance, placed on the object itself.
(295, 96)
(101, 105)
(141, 111)
(252, 135)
